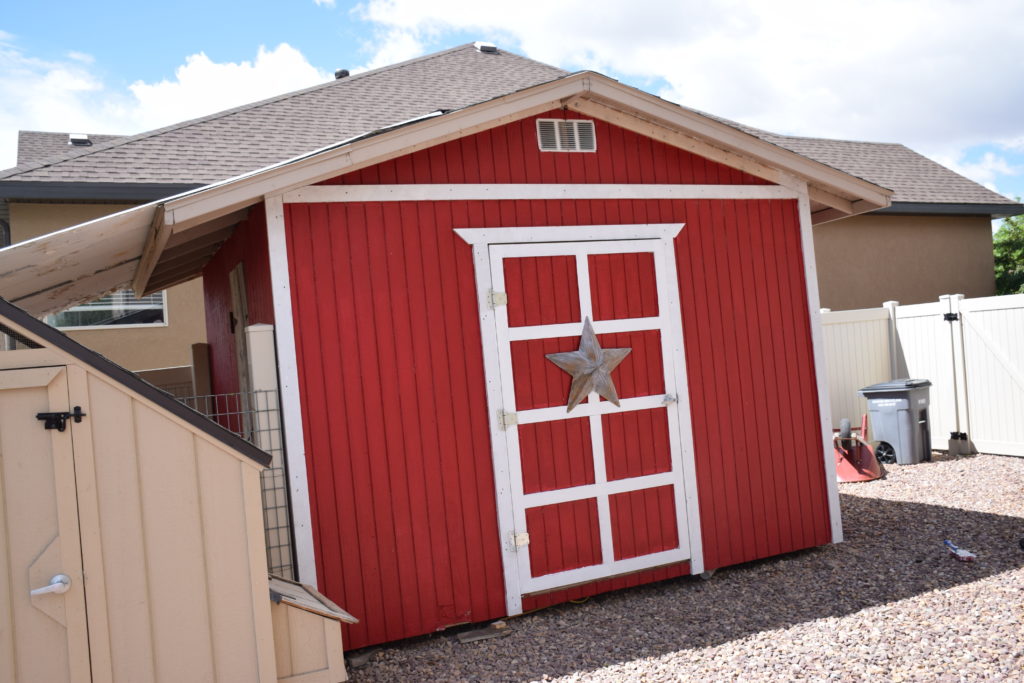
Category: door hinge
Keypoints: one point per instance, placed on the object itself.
(495, 299)
(950, 317)
(520, 540)
(59, 421)
(506, 420)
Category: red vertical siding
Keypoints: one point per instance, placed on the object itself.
(248, 245)
(510, 154)
(395, 409)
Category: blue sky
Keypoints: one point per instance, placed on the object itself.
(932, 74)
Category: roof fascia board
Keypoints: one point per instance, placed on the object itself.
(766, 152)
(42, 333)
(112, 192)
(246, 190)
(955, 209)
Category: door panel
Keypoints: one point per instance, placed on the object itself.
(599, 491)
(39, 534)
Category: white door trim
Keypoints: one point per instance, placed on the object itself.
(499, 396)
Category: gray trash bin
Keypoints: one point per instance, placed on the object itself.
(899, 420)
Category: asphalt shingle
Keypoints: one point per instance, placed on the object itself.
(236, 141)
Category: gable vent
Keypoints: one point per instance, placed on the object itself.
(572, 135)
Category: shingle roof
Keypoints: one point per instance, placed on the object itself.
(35, 146)
(911, 176)
(239, 140)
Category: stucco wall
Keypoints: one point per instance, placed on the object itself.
(865, 260)
(136, 348)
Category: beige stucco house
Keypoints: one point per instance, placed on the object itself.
(934, 239)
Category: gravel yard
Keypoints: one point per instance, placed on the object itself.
(889, 603)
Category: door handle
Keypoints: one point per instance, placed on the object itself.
(60, 583)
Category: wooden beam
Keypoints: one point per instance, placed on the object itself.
(159, 233)
(481, 191)
(817, 194)
(181, 235)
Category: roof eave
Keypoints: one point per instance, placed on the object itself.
(993, 210)
(35, 190)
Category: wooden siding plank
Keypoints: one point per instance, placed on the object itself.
(125, 563)
(175, 556)
(222, 508)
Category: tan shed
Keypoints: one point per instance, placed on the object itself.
(131, 534)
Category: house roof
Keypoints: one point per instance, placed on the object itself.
(209, 149)
(232, 142)
(36, 146)
(39, 333)
(159, 244)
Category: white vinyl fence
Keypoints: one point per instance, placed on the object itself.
(972, 350)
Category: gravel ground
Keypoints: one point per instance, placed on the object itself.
(889, 603)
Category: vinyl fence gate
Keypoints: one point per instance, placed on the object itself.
(972, 350)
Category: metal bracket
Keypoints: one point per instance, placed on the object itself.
(506, 420)
(950, 317)
(59, 421)
(495, 299)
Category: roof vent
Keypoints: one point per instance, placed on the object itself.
(340, 73)
(560, 135)
(489, 48)
(79, 140)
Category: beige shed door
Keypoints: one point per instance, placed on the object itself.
(42, 637)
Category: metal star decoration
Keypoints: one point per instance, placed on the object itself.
(590, 367)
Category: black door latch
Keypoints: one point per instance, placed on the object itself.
(59, 421)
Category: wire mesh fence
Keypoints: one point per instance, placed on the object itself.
(256, 417)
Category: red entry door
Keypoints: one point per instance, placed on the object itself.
(602, 490)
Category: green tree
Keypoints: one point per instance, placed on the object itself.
(1008, 243)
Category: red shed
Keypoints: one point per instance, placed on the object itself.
(429, 284)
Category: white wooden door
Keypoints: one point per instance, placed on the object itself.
(42, 637)
(603, 490)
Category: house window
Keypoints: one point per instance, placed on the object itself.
(120, 309)
(566, 135)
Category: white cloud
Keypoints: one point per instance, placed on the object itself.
(324, 3)
(987, 170)
(923, 72)
(68, 96)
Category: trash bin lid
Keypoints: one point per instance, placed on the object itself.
(898, 384)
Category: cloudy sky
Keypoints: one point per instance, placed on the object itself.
(944, 77)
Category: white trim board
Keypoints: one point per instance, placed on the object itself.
(569, 233)
(511, 191)
(820, 372)
(291, 400)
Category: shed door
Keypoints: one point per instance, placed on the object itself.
(600, 490)
(43, 637)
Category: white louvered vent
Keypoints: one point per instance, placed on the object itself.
(572, 135)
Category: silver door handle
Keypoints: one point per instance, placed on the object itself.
(60, 583)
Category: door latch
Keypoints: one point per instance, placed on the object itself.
(59, 421)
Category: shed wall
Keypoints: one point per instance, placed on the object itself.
(394, 406)
(172, 544)
(247, 245)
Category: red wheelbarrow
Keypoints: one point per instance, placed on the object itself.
(855, 458)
